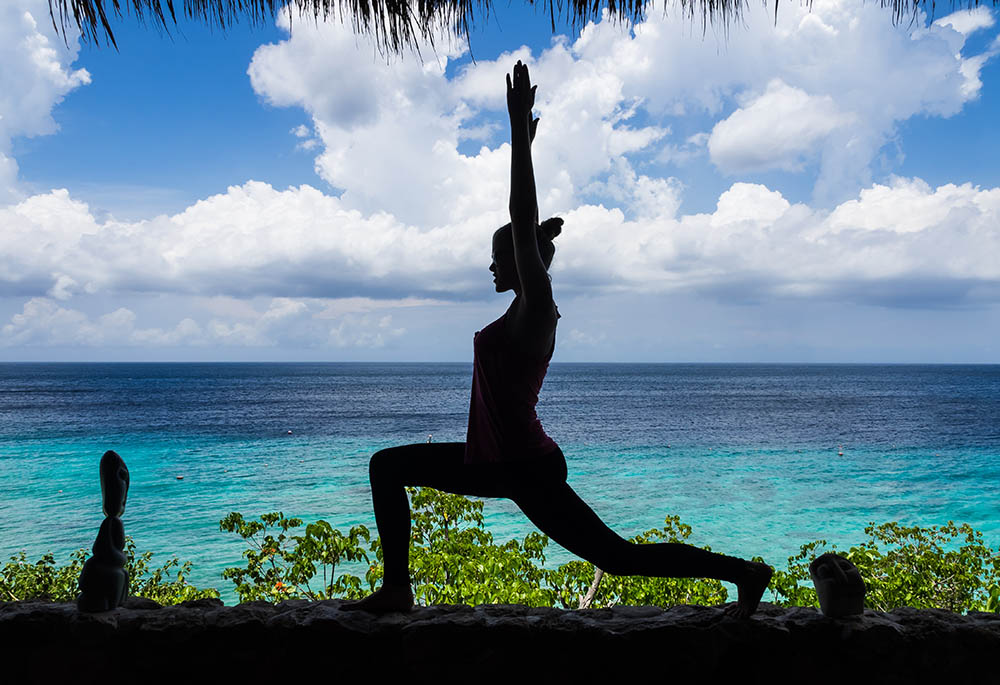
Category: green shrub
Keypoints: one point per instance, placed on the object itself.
(20, 579)
(454, 560)
(911, 566)
(275, 572)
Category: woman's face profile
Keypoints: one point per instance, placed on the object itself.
(503, 266)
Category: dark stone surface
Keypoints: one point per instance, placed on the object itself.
(202, 641)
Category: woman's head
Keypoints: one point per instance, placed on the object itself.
(504, 268)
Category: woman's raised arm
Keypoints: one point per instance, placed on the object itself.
(538, 312)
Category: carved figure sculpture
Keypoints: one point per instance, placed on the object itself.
(104, 582)
(114, 484)
(839, 585)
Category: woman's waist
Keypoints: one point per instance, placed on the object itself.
(548, 459)
(514, 427)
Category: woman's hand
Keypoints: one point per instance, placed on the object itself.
(520, 101)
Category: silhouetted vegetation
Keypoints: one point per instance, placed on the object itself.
(455, 560)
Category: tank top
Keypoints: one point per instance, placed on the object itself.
(503, 425)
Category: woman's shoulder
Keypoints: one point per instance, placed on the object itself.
(531, 335)
(519, 314)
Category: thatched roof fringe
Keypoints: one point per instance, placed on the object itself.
(398, 24)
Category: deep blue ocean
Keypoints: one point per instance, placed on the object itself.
(749, 455)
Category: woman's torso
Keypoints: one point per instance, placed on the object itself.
(503, 425)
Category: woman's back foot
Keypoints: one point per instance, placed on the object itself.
(750, 590)
(385, 600)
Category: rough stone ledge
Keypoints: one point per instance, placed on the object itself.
(48, 642)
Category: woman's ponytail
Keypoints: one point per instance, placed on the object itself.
(550, 228)
(547, 230)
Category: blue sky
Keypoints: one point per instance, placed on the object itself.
(820, 189)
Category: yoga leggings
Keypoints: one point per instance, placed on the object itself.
(538, 486)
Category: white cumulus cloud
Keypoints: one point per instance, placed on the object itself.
(782, 128)
(836, 76)
(35, 76)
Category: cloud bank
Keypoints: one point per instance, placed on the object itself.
(418, 166)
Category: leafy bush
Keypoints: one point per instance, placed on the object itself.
(20, 579)
(274, 572)
(158, 585)
(454, 560)
(907, 566)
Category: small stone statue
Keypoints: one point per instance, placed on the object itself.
(839, 585)
(114, 484)
(104, 582)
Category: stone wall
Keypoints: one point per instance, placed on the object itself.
(204, 641)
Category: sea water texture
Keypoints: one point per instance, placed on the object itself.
(759, 459)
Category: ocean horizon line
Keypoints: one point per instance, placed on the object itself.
(189, 362)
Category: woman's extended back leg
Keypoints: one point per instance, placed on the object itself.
(559, 512)
(562, 515)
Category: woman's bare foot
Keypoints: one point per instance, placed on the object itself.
(385, 600)
(750, 590)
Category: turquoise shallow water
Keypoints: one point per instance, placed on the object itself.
(784, 485)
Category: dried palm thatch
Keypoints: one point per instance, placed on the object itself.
(395, 24)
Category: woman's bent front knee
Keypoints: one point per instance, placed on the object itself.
(383, 464)
(438, 465)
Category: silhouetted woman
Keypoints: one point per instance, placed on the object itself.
(506, 453)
